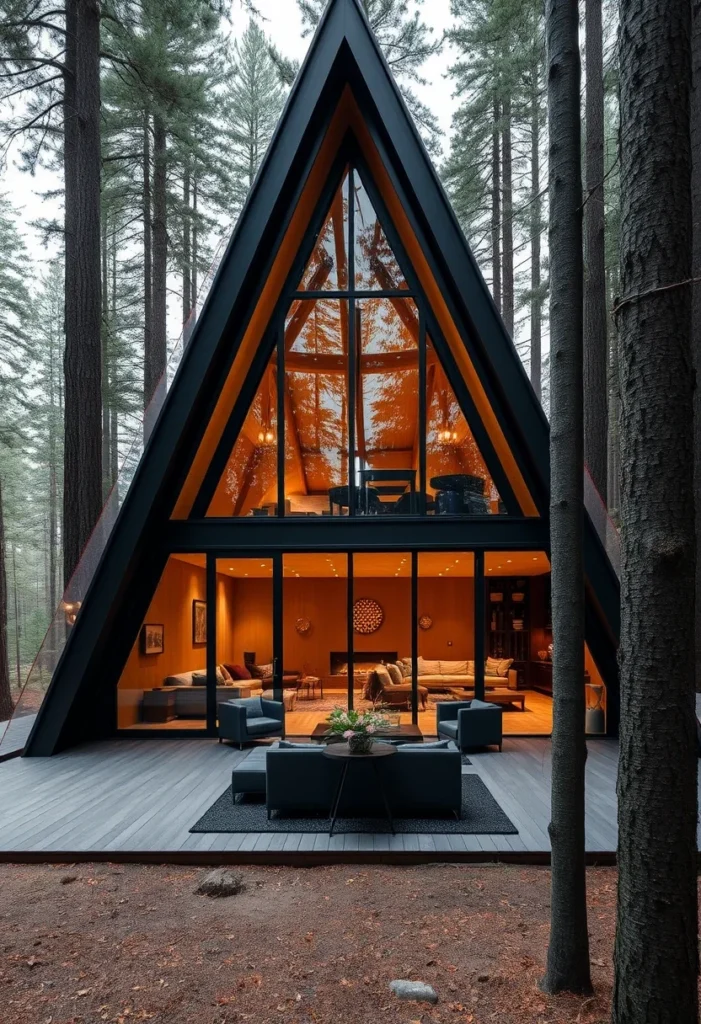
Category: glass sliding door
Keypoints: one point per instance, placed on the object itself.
(381, 622)
(315, 636)
(446, 620)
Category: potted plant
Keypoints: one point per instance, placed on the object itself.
(358, 727)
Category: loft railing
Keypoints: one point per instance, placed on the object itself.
(14, 734)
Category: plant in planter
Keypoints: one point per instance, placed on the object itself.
(358, 727)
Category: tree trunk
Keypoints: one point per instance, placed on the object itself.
(496, 208)
(114, 415)
(595, 340)
(536, 212)
(106, 326)
(656, 956)
(155, 357)
(187, 257)
(6, 703)
(82, 492)
(568, 950)
(148, 269)
(696, 309)
(508, 215)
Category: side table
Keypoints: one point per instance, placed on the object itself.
(341, 752)
(158, 706)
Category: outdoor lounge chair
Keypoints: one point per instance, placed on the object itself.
(470, 723)
(250, 718)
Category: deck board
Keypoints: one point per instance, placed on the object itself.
(131, 797)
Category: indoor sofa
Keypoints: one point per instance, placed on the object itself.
(418, 780)
(446, 675)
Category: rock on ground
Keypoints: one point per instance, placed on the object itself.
(417, 990)
(221, 883)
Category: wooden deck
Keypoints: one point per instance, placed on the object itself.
(136, 800)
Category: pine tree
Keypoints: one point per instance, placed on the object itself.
(656, 947)
(568, 949)
(253, 102)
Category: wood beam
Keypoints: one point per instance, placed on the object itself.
(294, 440)
(305, 307)
(387, 362)
(360, 411)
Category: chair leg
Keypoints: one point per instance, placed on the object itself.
(240, 746)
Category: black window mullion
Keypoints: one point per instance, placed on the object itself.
(423, 412)
(349, 623)
(479, 624)
(280, 328)
(351, 344)
(211, 653)
(414, 637)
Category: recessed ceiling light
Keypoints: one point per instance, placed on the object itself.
(535, 559)
(508, 561)
(440, 573)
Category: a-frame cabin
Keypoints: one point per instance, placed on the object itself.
(351, 466)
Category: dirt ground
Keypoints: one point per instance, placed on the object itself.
(91, 943)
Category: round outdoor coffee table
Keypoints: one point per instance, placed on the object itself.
(341, 752)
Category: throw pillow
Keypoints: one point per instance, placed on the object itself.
(435, 745)
(383, 675)
(428, 668)
(453, 668)
(253, 706)
(226, 675)
(221, 678)
(266, 670)
(395, 674)
(199, 678)
(405, 665)
(504, 666)
(491, 666)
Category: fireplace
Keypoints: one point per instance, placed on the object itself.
(363, 661)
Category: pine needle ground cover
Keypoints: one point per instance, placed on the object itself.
(123, 943)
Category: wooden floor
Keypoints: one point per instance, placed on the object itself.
(137, 799)
(536, 720)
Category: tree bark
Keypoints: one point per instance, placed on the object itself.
(536, 213)
(595, 314)
(655, 955)
(6, 703)
(106, 433)
(568, 949)
(82, 491)
(114, 415)
(155, 356)
(496, 207)
(195, 246)
(508, 218)
(696, 310)
(148, 268)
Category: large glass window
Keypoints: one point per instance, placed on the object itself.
(164, 682)
(370, 422)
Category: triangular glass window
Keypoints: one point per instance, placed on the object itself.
(327, 269)
(376, 266)
(356, 380)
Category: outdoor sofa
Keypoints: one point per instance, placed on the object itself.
(470, 723)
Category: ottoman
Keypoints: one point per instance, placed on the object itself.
(249, 774)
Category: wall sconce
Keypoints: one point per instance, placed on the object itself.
(70, 609)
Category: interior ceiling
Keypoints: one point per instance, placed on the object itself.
(380, 565)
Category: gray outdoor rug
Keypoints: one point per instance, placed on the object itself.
(481, 815)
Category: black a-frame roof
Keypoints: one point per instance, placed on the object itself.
(344, 60)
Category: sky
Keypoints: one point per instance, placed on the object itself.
(282, 23)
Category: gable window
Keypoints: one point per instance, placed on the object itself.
(355, 414)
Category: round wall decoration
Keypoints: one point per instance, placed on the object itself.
(303, 626)
(367, 616)
(425, 621)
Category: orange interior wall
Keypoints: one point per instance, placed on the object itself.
(450, 603)
(180, 585)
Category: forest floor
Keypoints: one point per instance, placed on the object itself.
(124, 943)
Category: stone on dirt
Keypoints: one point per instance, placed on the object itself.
(417, 990)
(221, 883)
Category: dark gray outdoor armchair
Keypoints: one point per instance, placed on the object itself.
(470, 723)
(246, 719)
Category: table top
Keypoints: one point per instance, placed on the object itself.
(452, 481)
(342, 750)
(404, 732)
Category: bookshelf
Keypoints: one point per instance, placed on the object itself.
(508, 622)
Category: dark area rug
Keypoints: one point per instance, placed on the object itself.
(481, 815)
